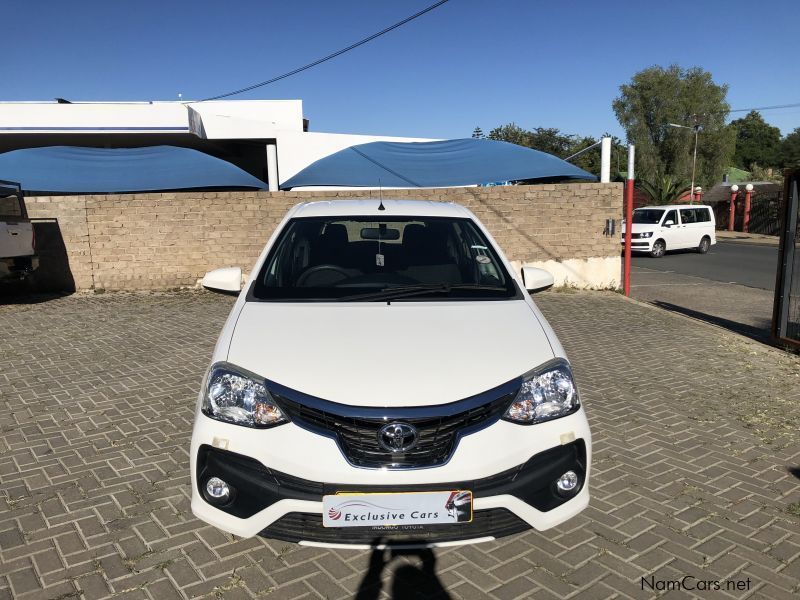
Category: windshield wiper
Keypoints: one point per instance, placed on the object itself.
(404, 291)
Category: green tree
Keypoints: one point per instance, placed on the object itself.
(658, 96)
(759, 173)
(553, 141)
(790, 150)
(549, 140)
(663, 189)
(478, 133)
(757, 142)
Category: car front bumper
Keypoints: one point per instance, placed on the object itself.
(281, 475)
(18, 266)
(645, 245)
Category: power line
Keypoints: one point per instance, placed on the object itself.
(776, 106)
(329, 56)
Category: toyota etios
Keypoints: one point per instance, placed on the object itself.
(385, 378)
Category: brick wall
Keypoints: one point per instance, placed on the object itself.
(159, 241)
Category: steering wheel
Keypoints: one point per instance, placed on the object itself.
(301, 281)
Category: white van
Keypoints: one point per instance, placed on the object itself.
(386, 378)
(657, 229)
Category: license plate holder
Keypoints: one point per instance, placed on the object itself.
(355, 509)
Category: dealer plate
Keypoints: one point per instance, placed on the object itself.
(405, 508)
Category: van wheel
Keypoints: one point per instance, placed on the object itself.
(659, 248)
(705, 244)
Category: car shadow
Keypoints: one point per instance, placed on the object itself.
(54, 273)
(667, 253)
(408, 581)
(16, 293)
(761, 334)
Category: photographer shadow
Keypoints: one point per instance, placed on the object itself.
(408, 581)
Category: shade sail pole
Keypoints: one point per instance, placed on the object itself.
(605, 160)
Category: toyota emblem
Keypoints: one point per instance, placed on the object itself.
(397, 437)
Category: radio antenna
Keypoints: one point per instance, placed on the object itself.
(380, 195)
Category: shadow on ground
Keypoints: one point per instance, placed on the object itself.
(11, 293)
(759, 333)
(409, 581)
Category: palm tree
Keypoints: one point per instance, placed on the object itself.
(664, 189)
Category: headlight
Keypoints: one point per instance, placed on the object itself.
(236, 396)
(646, 234)
(546, 393)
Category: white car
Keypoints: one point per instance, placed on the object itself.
(384, 378)
(657, 229)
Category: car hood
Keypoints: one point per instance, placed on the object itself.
(402, 354)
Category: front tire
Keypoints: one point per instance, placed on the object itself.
(659, 249)
(704, 245)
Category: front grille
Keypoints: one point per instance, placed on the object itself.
(295, 527)
(438, 427)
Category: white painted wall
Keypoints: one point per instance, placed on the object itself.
(250, 119)
(46, 117)
(230, 119)
(599, 273)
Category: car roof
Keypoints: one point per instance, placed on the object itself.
(370, 207)
(671, 206)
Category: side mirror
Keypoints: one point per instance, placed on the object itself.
(536, 280)
(227, 279)
(669, 223)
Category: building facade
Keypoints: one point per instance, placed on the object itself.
(267, 138)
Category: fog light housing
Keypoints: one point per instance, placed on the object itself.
(567, 483)
(217, 491)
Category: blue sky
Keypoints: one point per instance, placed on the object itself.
(469, 62)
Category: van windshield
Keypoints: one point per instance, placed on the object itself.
(647, 216)
(373, 258)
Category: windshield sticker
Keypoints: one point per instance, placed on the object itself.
(483, 259)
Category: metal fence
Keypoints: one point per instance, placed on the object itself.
(786, 314)
(764, 213)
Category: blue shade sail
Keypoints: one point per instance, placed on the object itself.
(79, 170)
(434, 164)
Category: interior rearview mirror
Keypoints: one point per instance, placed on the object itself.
(536, 280)
(226, 279)
(380, 233)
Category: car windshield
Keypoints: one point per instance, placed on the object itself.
(366, 258)
(648, 216)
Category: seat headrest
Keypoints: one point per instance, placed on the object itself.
(335, 234)
(415, 234)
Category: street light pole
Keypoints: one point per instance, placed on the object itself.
(694, 158)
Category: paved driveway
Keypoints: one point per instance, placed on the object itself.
(696, 436)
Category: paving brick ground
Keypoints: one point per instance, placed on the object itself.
(696, 435)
